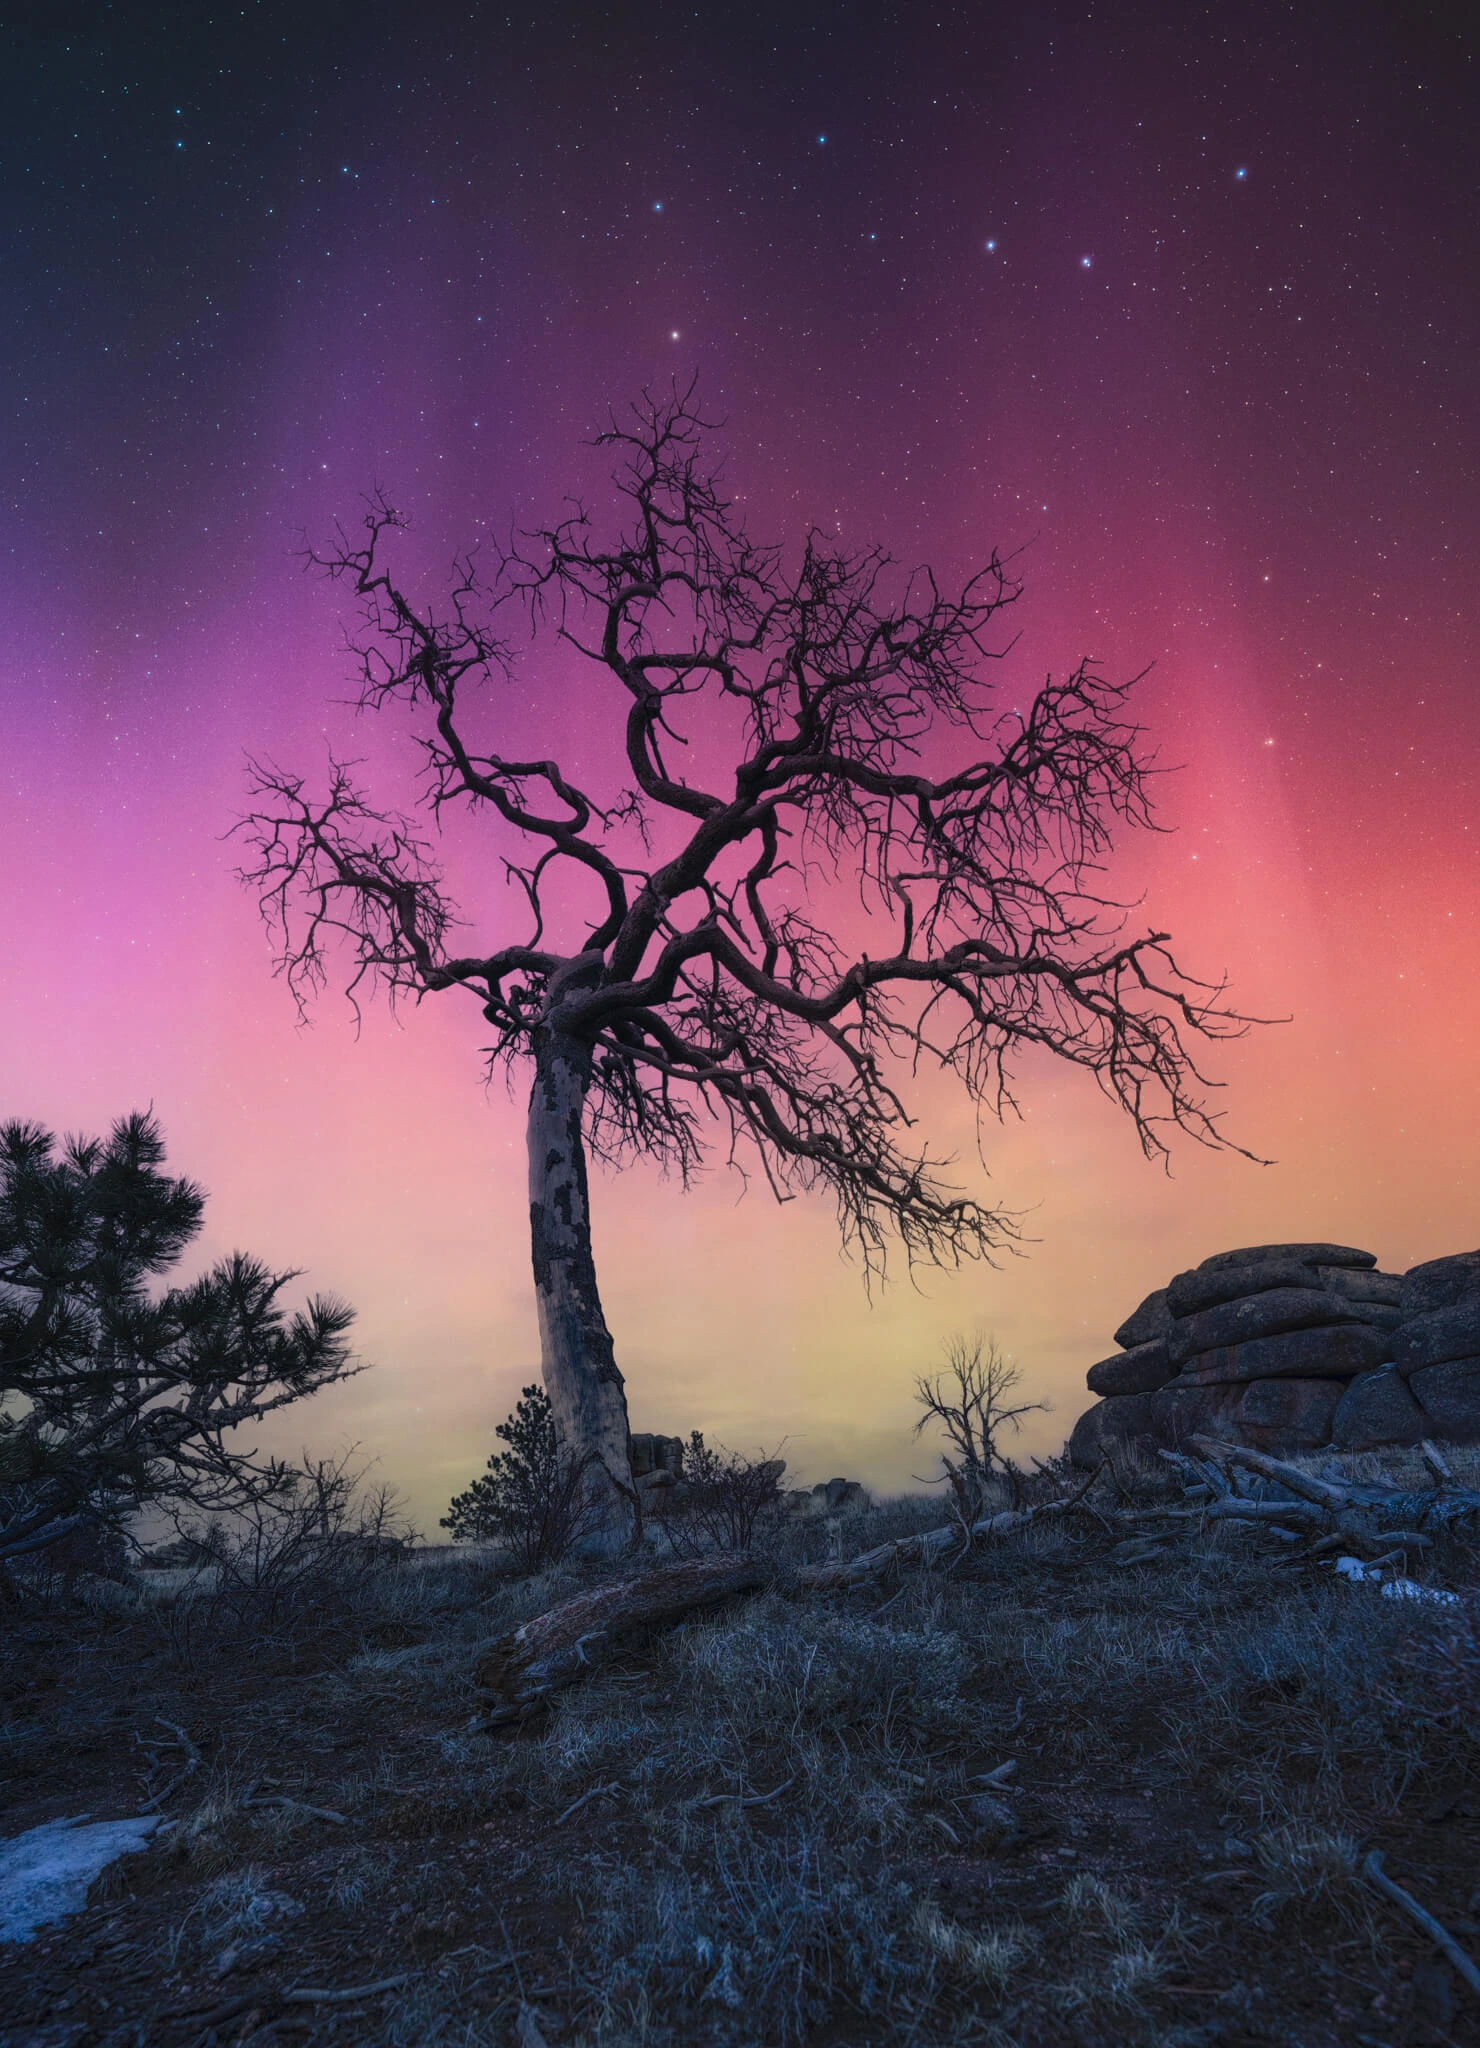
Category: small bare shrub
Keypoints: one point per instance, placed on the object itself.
(296, 1559)
(969, 1402)
(725, 1499)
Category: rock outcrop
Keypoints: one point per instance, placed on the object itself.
(652, 1453)
(1292, 1347)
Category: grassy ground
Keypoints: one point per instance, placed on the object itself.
(1202, 1745)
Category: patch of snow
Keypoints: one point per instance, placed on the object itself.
(45, 1873)
(1359, 1574)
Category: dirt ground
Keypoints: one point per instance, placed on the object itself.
(1049, 1797)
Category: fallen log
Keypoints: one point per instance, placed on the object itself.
(933, 1544)
(521, 1670)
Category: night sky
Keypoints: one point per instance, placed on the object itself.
(1180, 302)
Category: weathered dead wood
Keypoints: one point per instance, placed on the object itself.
(747, 1798)
(1442, 1939)
(1370, 1521)
(298, 1806)
(520, 1672)
(307, 1995)
(933, 1544)
(611, 1791)
(1434, 1459)
(1319, 1492)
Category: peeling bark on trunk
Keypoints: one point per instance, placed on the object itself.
(576, 1355)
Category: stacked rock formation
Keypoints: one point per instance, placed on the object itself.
(1294, 1347)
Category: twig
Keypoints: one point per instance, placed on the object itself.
(190, 1749)
(1434, 1459)
(1373, 1871)
(596, 1792)
(999, 1776)
(747, 1798)
(305, 1996)
(216, 2015)
(476, 1948)
(299, 1806)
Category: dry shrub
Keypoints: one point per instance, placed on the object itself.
(1309, 1868)
(1118, 1957)
(775, 1937)
(988, 1958)
(770, 1669)
(726, 1499)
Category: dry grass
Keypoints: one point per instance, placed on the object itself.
(785, 1822)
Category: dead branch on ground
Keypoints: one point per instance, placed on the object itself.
(1249, 1489)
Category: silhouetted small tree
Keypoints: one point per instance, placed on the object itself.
(531, 1495)
(113, 1399)
(969, 1402)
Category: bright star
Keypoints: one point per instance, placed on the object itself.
(674, 335)
(991, 245)
(1084, 263)
(1241, 172)
(657, 206)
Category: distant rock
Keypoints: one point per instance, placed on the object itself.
(1196, 1290)
(1449, 1395)
(1375, 1410)
(1257, 1315)
(839, 1497)
(1288, 1347)
(1139, 1371)
(1385, 1289)
(1333, 1351)
(1287, 1415)
(1440, 1283)
(1180, 1412)
(1152, 1319)
(1111, 1425)
(1303, 1254)
(1438, 1336)
(656, 1454)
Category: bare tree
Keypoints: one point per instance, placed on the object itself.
(673, 962)
(969, 1401)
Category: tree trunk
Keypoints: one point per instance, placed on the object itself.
(576, 1356)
